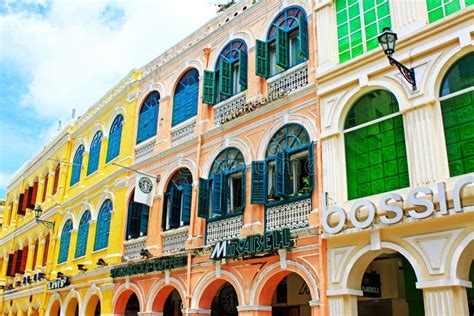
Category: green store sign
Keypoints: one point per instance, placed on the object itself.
(159, 264)
(253, 244)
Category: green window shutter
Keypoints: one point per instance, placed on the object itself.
(186, 207)
(209, 91)
(303, 38)
(144, 211)
(243, 59)
(262, 60)
(280, 173)
(203, 199)
(258, 182)
(175, 208)
(225, 78)
(164, 213)
(311, 166)
(217, 190)
(282, 48)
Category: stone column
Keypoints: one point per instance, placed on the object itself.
(445, 300)
(40, 254)
(343, 302)
(3, 276)
(39, 193)
(14, 214)
(7, 215)
(196, 312)
(30, 258)
(62, 179)
(254, 310)
(327, 37)
(49, 188)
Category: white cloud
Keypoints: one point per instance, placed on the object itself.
(80, 49)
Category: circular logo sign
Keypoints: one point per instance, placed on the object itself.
(145, 185)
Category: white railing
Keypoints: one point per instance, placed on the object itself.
(227, 107)
(145, 148)
(175, 240)
(133, 247)
(223, 229)
(182, 133)
(291, 80)
(291, 215)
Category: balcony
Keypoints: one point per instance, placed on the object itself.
(227, 107)
(223, 229)
(289, 81)
(290, 215)
(144, 148)
(133, 247)
(183, 132)
(175, 240)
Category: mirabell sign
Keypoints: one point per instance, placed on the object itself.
(158, 264)
(393, 212)
(253, 244)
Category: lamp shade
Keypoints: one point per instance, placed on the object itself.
(38, 211)
(387, 40)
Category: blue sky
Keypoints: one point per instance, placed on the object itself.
(59, 55)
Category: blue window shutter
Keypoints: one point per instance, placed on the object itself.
(133, 226)
(144, 212)
(258, 182)
(103, 226)
(192, 92)
(244, 188)
(94, 153)
(77, 165)
(280, 173)
(243, 59)
(311, 166)
(186, 97)
(82, 235)
(186, 207)
(262, 60)
(209, 90)
(282, 48)
(225, 78)
(164, 213)
(175, 208)
(303, 38)
(217, 183)
(65, 240)
(115, 138)
(203, 200)
(147, 123)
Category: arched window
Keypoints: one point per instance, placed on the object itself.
(358, 25)
(286, 45)
(115, 137)
(56, 178)
(77, 165)
(82, 235)
(230, 74)
(457, 107)
(94, 153)
(137, 224)
(177, 200)
(288, 170)
(65, 240)
(376, 159)
(103, 226)
(148, 117)
(223, 194)
(186, 97)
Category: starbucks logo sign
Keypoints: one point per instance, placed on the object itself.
(145, 185)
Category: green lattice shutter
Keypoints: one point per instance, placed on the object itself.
(311, 166)
(164, 213)
(186, 207)
(225, 78)
(258, 182)
(203, 198)
(282, 48)
(175, 208)
(280, 173)
(145, 210)
(243, 58)
(262, 60)
(303, 49)
(217, 185)
(209, 91)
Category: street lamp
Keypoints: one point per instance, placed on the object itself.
(38, 212)
(387, 39)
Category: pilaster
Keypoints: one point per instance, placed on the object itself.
(449, 300)
(40, 254)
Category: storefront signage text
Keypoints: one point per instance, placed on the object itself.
(58, 283)
(392, 205)
(252, 106)
(149, 266)
(253, 244)
(371, 286)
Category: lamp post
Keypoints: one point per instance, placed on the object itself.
(387, 39)
(38, 212)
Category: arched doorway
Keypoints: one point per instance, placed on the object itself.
(72, 308)
(93, 306)
(172, 306)
(55, 309)
(133, 306)
(291, 297)
(225, 301)
(470, 291)
(388, 285)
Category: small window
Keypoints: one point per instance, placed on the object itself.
(103, 226)
(94, 153)
(65, 241)
(82, 235)
(77, 165)
(186, 97)
(115, 138)
(137, 224)
(442, 8)
(148, 117)
(177, 200)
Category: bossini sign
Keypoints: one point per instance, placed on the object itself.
(58, 283)
(253, 244)
(391, 207)
(251, 106)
